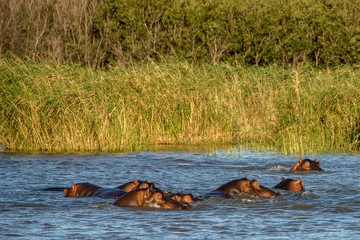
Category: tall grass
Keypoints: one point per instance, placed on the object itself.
(50, 107)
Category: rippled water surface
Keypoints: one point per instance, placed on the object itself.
(328, 209)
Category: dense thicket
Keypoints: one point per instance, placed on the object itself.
(98, 32)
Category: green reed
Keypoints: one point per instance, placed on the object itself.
(60, 108)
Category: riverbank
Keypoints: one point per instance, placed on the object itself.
(61, 108)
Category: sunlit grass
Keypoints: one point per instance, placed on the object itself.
(50, 107)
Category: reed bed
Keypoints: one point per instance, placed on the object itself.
(65, 108)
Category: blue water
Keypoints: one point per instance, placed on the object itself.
(328, 209)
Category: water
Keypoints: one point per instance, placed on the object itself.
(328, 209)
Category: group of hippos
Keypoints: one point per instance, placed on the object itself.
(144, 194)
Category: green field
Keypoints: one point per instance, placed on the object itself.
(50, 107)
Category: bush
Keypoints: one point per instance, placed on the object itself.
(97, 33)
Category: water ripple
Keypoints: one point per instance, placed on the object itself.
(330, 203)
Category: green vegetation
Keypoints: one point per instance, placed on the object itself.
(96, 33)
(51, 107)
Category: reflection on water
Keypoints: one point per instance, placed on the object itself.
(329, 208)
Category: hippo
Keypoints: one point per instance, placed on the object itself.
(135, 198)
(258, 190)
(230, 189)
(182, 197)
(91, 190)
(291, 184)
(304, 165)
(129, 186)
(81, 190)
(161, 201)
(109, 193)
(146, 197)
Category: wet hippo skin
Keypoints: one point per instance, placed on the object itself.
(91, 190)
(258, 190)
(181, 197)
(293, 185)
(146, 197)
(233, 188)
(303, 165)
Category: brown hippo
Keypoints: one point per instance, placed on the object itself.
(146, 197)
(135, 198)
(81, 190)
(161, 201)
(306, 165)
(129, 186)
(91, 190)
(258, 190)
(234, 187)
(291, 185)
(181, 197)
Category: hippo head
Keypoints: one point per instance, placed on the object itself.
(159, 200)
(315, 166)
(67, 192)
(298, 184)
(306, 165)
(244, 185)
(291, 185)
(80, 190)
(188, 198)
(254, 184)
(135, 184)
(181, 197)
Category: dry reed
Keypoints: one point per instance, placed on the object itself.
(59, 108)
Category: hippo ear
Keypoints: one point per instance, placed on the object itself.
(300, 160)
(282, 179)
(136, 181)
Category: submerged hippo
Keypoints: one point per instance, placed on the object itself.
(244, 185)
(258, 190)
(306, 165)
(291, 184)
(234, 187)
(182, 197)
(91, 190)
(129, 186)
(146, 197)
(162, 201)
(81, 190)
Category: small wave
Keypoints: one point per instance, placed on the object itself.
(29, 205)
(278, 168)
(305, 195)
(344, 189)
(243, 198)
(182, 160)
(339, 209)
(100, 205)
(302, 206)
